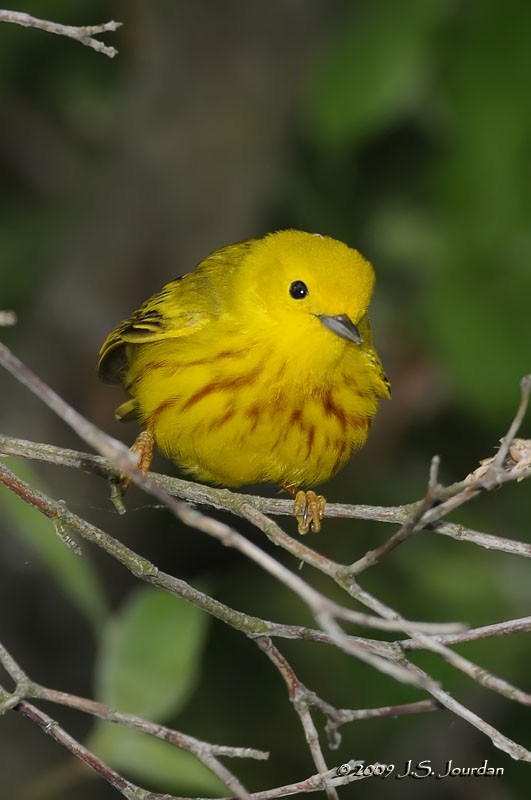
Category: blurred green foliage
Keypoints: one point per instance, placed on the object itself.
(374, 70)
(451, 79)
(76, 576)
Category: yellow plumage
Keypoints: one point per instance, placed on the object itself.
(258, 365)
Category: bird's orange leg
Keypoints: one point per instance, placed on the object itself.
(308, 509)
(143, 446)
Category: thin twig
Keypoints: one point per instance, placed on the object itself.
(324, 610)
(336, 717)
(50, 727)
(204, 751)
(245, 505)
(184, 741)
(466, 666)
(304, 699)
(413, 517)
(486, 540)
(501, 455)
(343, 576)
(298, 696)
(83, 34)
(497, 629)
(144, 569)
(411, 526)
(498, 739)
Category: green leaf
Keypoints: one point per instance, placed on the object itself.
(374, 69)
(150, 657)
(147, 759)
(75, 575)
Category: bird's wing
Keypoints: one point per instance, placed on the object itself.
(372, 356)
(178, 310)
(181, 308)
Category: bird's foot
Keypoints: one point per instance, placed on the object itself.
(143, 447)
(308, 510)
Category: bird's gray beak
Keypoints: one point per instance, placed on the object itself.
(343, 326)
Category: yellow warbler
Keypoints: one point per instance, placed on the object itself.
(257, 366)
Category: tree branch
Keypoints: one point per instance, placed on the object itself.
(255, 509)
(204, 751)
(83, 34)
(387, 657)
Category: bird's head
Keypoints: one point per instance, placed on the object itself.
(303, 288)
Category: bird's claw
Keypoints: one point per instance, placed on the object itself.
(143, 447)
(308, 510)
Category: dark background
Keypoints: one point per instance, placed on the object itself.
(403, 129)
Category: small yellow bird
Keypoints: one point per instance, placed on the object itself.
(257, 366)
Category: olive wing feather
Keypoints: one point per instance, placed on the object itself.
(177, 310)
(181, 308)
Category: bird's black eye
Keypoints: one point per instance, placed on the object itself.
(298, 290)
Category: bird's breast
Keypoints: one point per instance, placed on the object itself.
(245, 415)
